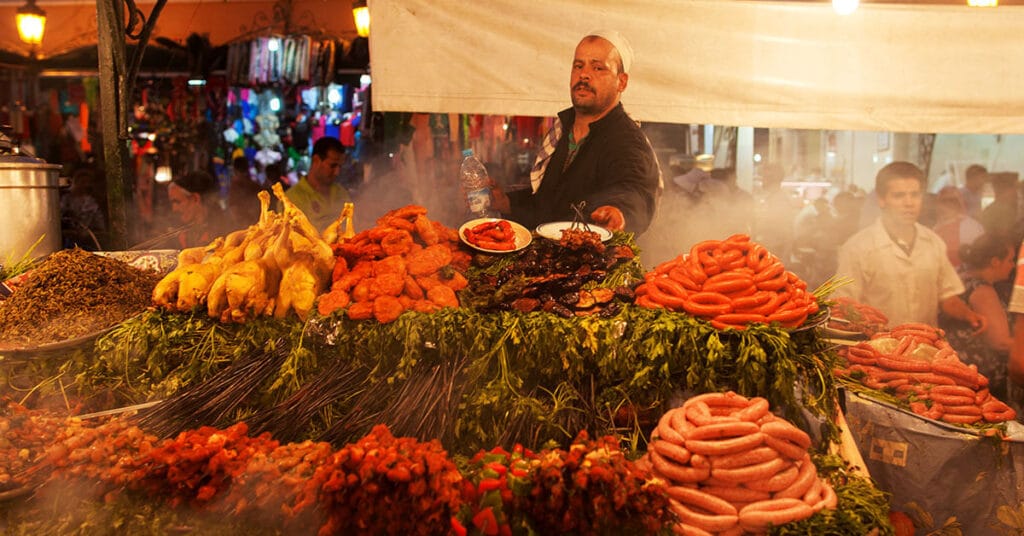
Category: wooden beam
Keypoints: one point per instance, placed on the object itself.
(114, 105)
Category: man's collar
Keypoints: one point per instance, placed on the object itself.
(568, 116)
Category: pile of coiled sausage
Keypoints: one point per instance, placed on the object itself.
(916, 363)
(733, 467)
(731, 283)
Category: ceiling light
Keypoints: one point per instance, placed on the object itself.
(361, 14)
(31, 21)
(845, 7)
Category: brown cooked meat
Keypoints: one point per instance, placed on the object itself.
(72, 293)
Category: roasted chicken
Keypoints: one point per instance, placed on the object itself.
(276, 266)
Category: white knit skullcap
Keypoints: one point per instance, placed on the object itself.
(620, 43)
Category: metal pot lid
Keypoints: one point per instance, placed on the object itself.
(12, 156)
(21, 160)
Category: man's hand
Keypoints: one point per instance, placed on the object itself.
(609, 217)
(956, 307)
(977, 321)
(500, 201)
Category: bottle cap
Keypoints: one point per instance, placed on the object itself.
(467, 152)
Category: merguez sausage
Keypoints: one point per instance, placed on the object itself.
(675, 472)
(671, 451)
(723, 430)
(813, 494)
(756, 517)
(758, 408)
(760, 471)
(717, 447)
(828, 500)
(780, 481)
(711, 523)
(782, 429)
(729, 399)
(666, 431)
(701, 499)
(741, 459)
(805, 478)
(737, 494)
(689, 530)
(785, 448)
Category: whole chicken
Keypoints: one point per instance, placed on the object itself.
(300, 285)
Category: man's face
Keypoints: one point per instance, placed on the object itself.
(184, 203)
(902, 201)
(322, 172)
(595, 83)
(976, 181)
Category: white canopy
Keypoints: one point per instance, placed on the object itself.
(887, 67)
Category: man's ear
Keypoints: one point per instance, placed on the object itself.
(623, 81)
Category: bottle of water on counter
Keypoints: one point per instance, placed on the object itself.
(476, 186)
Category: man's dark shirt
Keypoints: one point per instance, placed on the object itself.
(615, 165)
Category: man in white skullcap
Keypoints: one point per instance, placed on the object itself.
(594, 153)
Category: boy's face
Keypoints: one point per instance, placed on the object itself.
(902, 201)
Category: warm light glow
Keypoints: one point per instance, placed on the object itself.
(983, 3)
(361, 14)
(31, 22)
(163, 174)
(845, 7)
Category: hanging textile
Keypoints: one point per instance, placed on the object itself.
(887, 67)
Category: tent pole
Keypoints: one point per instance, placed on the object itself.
(114, 108)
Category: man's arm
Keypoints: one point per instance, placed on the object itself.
(847, 269)
(956, 307)
(985, 302)
(1016, 365)
(631, 185)
(1016, 310)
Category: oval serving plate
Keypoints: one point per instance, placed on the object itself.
(523, 237)
(65, 344)
(553, 230)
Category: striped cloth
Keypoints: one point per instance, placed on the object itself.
(547, 148)
(1017, 298)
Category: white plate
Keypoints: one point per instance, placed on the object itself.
(553, 230)
(522, 234)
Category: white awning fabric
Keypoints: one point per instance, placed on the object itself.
(887, 67)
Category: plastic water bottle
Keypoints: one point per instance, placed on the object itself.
(476, 185)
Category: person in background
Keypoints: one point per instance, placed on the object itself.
(1015, 308)
(898, 265)
(813, 247)
(81, 217)
(275, 175)
(975, 178)
(1000, 217)
(775, 213)
(846, 206)
(318, 194)
(595, 153)
(243, 205)
(194, 201)
(987, 260)
(954, 226)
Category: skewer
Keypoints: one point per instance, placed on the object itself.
(146, 244)
(117, 411)
(579, 222)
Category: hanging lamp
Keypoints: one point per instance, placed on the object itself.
(361, 14)
(31, 22)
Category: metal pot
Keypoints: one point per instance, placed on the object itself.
(29, 207)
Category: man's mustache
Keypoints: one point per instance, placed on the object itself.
(583, 85)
